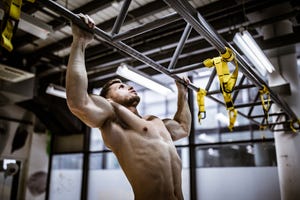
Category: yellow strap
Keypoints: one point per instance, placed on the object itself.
(228, 55)
(265, 102)
(6, 36)
(201, 104)
(265, 92)
(232, 113)
(14, 8)
(227, 80)
(292, 125)
(12, 11)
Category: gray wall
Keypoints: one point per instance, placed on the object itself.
(238, 183)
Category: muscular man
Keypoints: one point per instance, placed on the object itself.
(143, 145)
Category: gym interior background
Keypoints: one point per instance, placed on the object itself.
(47, 153)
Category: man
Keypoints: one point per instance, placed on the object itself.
(143, 145)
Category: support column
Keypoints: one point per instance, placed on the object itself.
(287, 143)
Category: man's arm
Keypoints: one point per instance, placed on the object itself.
(180, 126)
(91, 109)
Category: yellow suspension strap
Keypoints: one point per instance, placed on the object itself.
(227, 80)
(292, 125)
(10, 22)
(264, 92)
(201, 104)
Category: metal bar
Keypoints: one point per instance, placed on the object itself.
(192, 150)
(119, 45)
(239, 87)
(240, 113)
(85, 163)
(251, 108)
(178, 50)
(188, 12)
(147, 27)
(234, 96)
(242, 105)
(200, 28)
(121, 17)
(270, 115)
(211, 79)
(137, 55)
(191, 67)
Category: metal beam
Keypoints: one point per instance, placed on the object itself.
(191, 15)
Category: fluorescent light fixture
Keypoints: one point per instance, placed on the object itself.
(7, 161)
(142, 79)
(253, 52)
(14, 75)
(34, 26)
(56, 90)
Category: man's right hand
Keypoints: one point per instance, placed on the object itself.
(80, 35)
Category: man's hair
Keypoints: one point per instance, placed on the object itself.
(107, 85)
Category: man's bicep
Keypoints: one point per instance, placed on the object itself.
(175, 129)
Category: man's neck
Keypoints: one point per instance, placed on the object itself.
(134, 110)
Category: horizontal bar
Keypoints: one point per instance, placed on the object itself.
(239, 87)
(200, 28)
(119, 45)
(200, 25)
(146, 27)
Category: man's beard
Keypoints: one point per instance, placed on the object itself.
(131, 101)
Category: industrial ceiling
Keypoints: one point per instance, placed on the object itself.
(152, 28)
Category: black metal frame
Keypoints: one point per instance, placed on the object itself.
(193, 20)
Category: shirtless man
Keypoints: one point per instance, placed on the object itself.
(143, 145)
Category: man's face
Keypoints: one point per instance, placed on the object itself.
(123, 94)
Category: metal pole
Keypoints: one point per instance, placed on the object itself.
(178, 50)
(195, 24)
(200, 28)
(121, 17)
(119, 45)
(147, 27)
(183, 8)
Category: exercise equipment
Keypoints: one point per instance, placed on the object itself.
(195, 21)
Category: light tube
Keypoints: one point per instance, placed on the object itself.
(56, 91)
(253, 52)
(142, 79)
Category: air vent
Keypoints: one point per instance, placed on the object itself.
(13, 75)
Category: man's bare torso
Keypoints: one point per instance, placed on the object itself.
(147, 155)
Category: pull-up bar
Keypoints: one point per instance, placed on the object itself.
(194, 18)
(184, 9)
(108, 39)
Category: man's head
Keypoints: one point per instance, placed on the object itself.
(119, 92)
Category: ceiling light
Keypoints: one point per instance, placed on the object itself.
(253, 52)
(56, 90)
(142, 79)
(34, 26)
(14, 75)
(7, 161)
